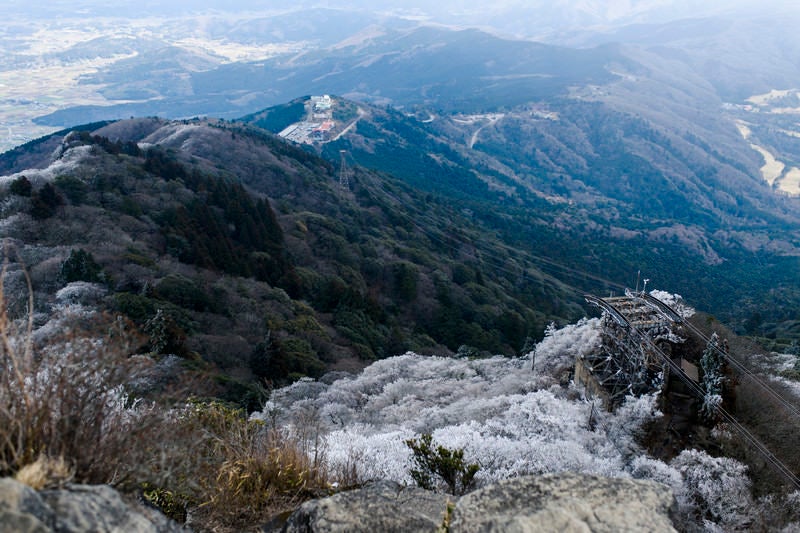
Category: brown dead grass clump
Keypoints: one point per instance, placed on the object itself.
(46, 472)
(65, 399)
(258, 472)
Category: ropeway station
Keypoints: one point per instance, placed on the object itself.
(641, 342)
(648, 346)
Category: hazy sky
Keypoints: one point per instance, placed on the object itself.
(518, 12)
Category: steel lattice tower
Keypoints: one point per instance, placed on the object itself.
(344, 172)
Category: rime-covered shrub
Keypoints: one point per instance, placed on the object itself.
(714, 489)
(560, 346)
(675, 301)
(62, 395)
(506, 419)
(80, 292)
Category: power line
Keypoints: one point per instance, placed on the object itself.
(748, 373)
(671, 315)
(531, 257)
(694, 387)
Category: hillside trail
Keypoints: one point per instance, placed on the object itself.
(474, 138)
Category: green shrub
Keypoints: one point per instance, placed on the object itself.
(183, 292)
(285, 359)
(135, 306)
(139, 258)
(170, 503)
(245, 395)
(432, 461)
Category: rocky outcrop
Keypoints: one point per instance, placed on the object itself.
(383, 506)
(565, 502)
(74, 508)
(551, 503)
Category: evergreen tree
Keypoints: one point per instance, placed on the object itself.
(21, 187)
(712, 364)
(165, 336)
(45, 202)
(80, 266)
(430, 459)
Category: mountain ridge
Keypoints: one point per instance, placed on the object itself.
(718, 230)
(260, 263)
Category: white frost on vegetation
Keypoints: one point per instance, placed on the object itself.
(560, 347)
(506, 418)
(80, 292)
(509, 420)
(61, 320)
(69, 161)
(792, 386)
(675, 301)
(713, 487)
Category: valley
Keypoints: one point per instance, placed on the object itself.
(51, 64)
(776, 173)
(628, 147)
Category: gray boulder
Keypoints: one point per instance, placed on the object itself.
(553, 503)
(94, 508)
(565, 502)
(22, 509)
(14, 522)
(383, 506)
(75, 508)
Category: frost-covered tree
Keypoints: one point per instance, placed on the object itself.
(712, 364)
(503, 417)
(560, 346)
(715, 490)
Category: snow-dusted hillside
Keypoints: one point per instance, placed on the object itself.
(509, 419)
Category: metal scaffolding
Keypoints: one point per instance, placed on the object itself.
(625, 364)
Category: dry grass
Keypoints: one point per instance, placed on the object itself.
(46, 472)
(258, 471)
(65, 416)
(63, 400)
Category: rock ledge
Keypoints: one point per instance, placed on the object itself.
(550, 503)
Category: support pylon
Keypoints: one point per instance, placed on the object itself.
(344, 172)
